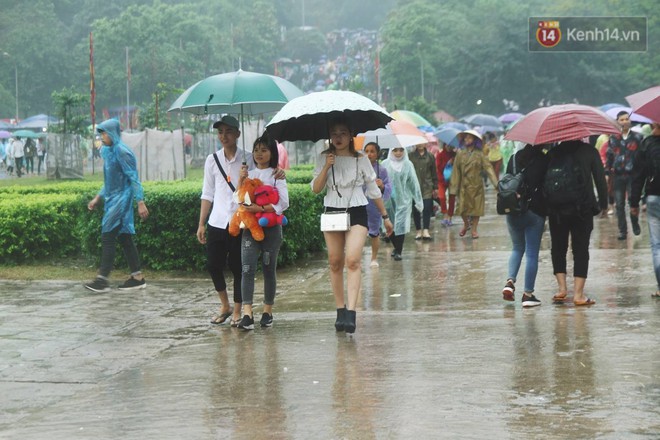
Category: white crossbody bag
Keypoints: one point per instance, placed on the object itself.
(338, 221)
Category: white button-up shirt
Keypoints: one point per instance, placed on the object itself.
(216, 189)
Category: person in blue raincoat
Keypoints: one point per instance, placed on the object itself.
(405, 192)
(121, 185)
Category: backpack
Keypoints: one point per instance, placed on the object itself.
(564, 186)
(513, 194)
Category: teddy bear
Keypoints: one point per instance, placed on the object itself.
(244, 196)
(268, 195)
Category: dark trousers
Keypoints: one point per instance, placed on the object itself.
(223, 250)
(29, 164)
(425, 218)
(109, 246)
(397, 242)
(579, 228)
(621, 188)
(39, 163)
(19, 166)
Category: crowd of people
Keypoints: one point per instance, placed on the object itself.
(382, 200)
(17, 156)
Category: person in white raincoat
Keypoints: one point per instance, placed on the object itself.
(121, 185)
(405, 192)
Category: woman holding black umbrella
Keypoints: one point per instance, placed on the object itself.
(342, 172)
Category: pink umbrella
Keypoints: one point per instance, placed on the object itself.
(4, 134)
(561, 123)
(646, 103)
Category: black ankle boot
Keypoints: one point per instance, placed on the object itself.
(349, 324)
(341, 319)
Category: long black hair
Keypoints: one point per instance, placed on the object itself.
(266, 140)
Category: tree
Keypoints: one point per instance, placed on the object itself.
(72, 109)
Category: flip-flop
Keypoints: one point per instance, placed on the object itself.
(221, 318)
(475, 236)
(463, 232)
(586, 302)
(655, 295)
(559, 299)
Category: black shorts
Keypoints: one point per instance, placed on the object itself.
(358, 214)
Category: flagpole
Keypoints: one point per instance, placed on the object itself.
(128, 91)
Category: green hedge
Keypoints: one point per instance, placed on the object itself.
(39, 223)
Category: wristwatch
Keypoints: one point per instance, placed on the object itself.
(385, 217)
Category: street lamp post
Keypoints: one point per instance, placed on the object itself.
(421, 65)
(15, 82)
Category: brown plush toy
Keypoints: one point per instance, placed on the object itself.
(245, 195)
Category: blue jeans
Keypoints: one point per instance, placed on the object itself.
(525, 231)
(653, 214)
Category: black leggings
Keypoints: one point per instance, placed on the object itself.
(224, 250)
(425, 218)
(579, 228)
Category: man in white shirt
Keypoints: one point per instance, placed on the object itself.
(218, 207)
(19, 153)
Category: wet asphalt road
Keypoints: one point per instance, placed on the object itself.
(437, 353)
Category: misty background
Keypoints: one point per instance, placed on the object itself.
(429, 54)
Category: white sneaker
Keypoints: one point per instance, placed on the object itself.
(374, 263)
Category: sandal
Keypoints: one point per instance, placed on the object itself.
(234, 322)
(656, 294)
(475, 235)
(463, 232)
(587, 302)
(221, 318)
(560, 297)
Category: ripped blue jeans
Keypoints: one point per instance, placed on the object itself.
(269, 248)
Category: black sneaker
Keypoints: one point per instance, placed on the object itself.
(508, 293)
(622, 236)
(247, 323)
(132, 284)
(397, 256)
(530, 300)
(99, 285)
(266, 320)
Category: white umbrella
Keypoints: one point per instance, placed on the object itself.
(307, 118)
(396, 134)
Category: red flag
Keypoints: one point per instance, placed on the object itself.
(92, 86)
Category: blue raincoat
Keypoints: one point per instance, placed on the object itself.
(121, 183)
(405, 192)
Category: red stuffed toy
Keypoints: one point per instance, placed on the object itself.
(268, 195)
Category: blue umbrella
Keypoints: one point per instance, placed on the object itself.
(457, 125)
(606, 107)
(448, 136)
(508, 118)
(482, 119)
(37, 122)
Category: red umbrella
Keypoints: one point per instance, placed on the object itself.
(646, 103)
(561, 123)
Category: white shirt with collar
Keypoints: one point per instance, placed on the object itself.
(216, 189)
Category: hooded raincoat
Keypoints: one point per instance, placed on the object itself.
(405, 191)
(121, 183)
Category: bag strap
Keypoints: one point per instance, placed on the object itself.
(353, 187)
(222, 170)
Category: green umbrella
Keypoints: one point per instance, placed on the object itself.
(414, 118)
(241, 93)
(27, 134)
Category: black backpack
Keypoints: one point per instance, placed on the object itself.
(513, 194)
(564, 186)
